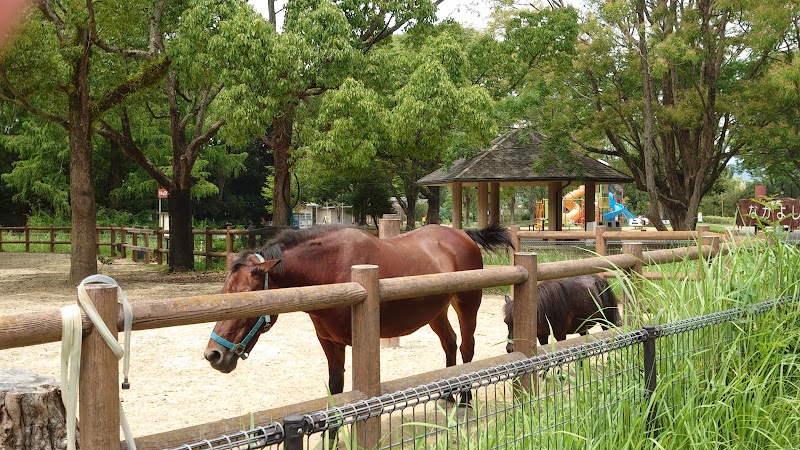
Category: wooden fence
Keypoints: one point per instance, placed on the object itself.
(363, 294)
(143, 244)
(139, 241)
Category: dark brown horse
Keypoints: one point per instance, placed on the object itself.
(324, 255)
(567, 306)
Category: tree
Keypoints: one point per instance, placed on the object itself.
(658, 85)
(376, 119)
(321, 44)
(772, 123)
(72, 63)
(191, 85)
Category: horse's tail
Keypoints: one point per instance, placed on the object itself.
(492, 238)
(608, 301)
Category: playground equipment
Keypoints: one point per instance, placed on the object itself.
(575, 209)
(616, 209)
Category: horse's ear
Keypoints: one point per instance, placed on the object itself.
(230, 259)
(508, 299)
(267, 265)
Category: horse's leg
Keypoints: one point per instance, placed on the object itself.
(447, 337)
(335, 354)
(466, 305)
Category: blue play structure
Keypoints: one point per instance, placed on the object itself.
(616, 210)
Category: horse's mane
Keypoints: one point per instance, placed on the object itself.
(289, 238)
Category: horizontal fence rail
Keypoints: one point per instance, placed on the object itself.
(152, 245)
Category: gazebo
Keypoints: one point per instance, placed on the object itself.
(517, 159)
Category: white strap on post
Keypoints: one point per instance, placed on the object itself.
(71, 351)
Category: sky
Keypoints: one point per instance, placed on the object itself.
(472, 13)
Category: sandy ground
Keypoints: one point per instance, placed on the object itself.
(172, 385)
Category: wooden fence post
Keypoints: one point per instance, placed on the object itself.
(701, 230)
(147, 244)
(98, 389)
(53, 239)
(113, 241)
(712, 241)
(228, 240)
(135, 243)
(515, 241)
(600, 240)
(1, 239)
(634, 249)
(209, 248)
(97, 238)
(366, 349)
(389, 226)
(251, 237)
(27, 239)
(123, 251)
(526, 304)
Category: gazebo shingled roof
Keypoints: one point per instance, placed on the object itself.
(517, 157)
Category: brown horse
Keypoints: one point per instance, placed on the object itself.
(324, 255)
(567, 306)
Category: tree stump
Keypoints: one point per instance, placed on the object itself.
(32, 415)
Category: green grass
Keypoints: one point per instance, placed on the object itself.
(735, 385)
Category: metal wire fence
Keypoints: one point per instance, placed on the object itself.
(562, 249)
(578, 396)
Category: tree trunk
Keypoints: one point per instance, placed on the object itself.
(115, 175)
(181, 244)
(83, 251)
(281, 143)
(32, 415)
(649, 119)
(434, 203)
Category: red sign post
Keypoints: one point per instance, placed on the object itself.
(163, 193)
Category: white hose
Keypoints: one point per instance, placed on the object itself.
(71, 351)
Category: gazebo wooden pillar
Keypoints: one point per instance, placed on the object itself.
(589, 209)
(554, 206)
(494, 203)
(458, 216)
(483, 197)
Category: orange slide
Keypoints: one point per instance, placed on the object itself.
(574, 208)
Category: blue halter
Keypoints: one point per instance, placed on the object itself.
(265, 321)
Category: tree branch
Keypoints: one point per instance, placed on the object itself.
(131, 150)
(197, 143)
(49, 12)
(156, 40)
(151, 75)
(20, 100)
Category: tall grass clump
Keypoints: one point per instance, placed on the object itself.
(733, 385)
(756, 271)
(728, 367)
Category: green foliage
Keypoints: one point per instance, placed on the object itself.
(40, 148)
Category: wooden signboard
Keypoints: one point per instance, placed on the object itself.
(769, 211)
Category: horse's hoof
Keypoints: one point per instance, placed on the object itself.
(465, 399)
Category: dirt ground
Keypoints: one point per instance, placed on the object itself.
(172, 385)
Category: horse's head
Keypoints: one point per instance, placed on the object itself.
(233, 339)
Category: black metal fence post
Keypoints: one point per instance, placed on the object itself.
(293, 432)
(650, 374)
